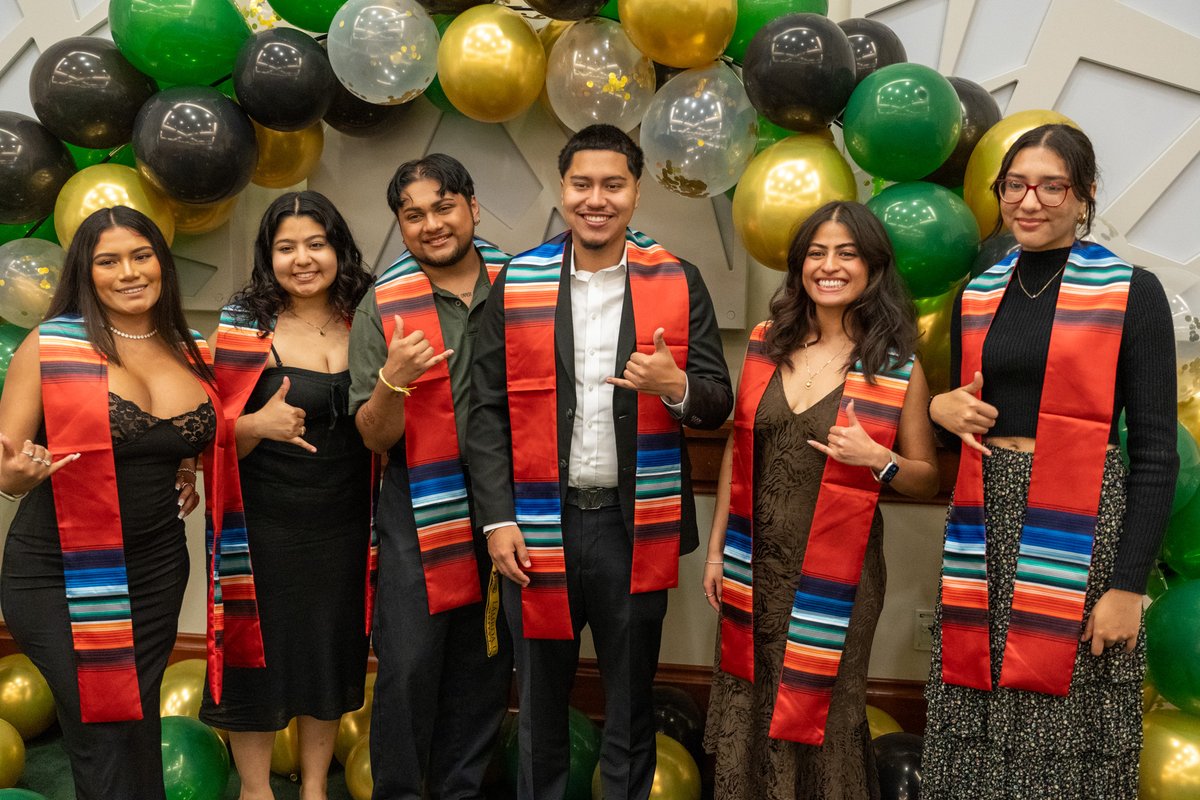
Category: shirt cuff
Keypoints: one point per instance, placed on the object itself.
(677, 409)
(495, 526)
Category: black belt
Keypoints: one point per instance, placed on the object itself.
(590, 498)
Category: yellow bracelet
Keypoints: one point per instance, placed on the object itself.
(404, 390)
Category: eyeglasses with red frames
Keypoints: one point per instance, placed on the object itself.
(1051, 194)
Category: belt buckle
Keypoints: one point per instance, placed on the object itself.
(590, 498)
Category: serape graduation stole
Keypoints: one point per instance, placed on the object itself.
(74, 377)
(436, 482)
(659, 295)
(1055, 552)
(833, 558)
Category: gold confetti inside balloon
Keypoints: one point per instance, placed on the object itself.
(491, 64)
(383, 51)
(106, 186)
(595, 74)
(29, 273)
(681, 33)
(259, 14)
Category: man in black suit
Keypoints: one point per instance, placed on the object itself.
(594, 276)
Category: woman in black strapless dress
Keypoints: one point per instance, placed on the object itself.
(119, 293)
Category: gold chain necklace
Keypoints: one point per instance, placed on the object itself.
(1038, 293)
(812, 376)
(320, 329)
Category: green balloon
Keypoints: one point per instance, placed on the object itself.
(20, 794)
(1173, 645)
(1181, 545)
(584, 739)
(195, 761)
(769, 133)
(434, 92)
(33, 230)
(1162, 577)
(609, 11)
(902, 122)
(1187, 482)
(195, 42)
(753, 14)
(87, 157)
(11, 337)
(312, 15)
(933, 234)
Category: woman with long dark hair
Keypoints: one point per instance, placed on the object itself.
(105, 409)
(282, 369)
(831, 405)
(1038, 650)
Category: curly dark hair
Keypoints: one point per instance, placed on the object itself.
(882, 321)
(263, 299)
(76, 292)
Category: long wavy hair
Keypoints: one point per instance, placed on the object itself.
(76, 292)
(263, 299)
(882, 321)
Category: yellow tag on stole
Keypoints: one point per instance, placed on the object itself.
(491, 613)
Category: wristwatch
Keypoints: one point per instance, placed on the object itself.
(886, 474)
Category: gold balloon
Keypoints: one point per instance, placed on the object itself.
(197, 218)
(1151, 699)
(782, 187)
(881, 722)
(358, 770)
(12, 755)
(933, 348)
(1170, 763)
(25, 699)
(105, 186)
(984, 164)
(1189, 417)
(353, 726)
(286, 158)
(182, 689)
(491, 64)
(285, 753)
(682, 33)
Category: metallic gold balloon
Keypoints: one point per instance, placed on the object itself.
(984, 165)
(1151, 699)
(25, 699)
(1189, 417)
(1170, 763)
(782, 186)
(285, 753)
(881, 722)
(286, 158)
(193, 219)
(182, 689)
(12, 755)
(933, 348)
(676, 776)
(106, 186)
(682, 33)
(358, 770)
(491, 64)
(353, 726)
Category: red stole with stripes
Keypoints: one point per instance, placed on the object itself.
(1074, 421)
(436, 481)
(660, 298)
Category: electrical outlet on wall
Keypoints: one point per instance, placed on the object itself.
(923, 629)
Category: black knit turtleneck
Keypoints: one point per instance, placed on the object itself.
(1014, 363)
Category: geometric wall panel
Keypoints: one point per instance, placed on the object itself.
(1181, 14)
(1000, 37)
(919, 24)
(1160, 231)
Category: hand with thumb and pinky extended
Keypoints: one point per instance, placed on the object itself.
(279, 421)
(22, 468)
(964, 414)
(654, 373)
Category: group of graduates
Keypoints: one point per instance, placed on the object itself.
(536, 481)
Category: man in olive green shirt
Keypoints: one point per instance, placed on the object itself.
(439, 697)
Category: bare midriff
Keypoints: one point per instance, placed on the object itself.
(1022, 444)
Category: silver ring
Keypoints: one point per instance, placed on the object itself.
(44, 461)
(30, 456)
(706, 594)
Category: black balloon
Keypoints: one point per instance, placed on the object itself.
(567, 9)
(450, 6)
(898, 761)
(353, 116)
(283, 80)
(992, 251)
(663, 73)
(195, 144)
(34, 165)
(799, 71)
(677, 715)
(875, 46)
(979, 112)
(86, 93)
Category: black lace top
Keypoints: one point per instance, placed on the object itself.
(128, 421)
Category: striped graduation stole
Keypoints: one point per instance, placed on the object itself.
(660, 299)
(1074, 420)
(74, 378)
(436, 482)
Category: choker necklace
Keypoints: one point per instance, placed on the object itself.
(1038, 293)
(134, 336)
(813, 375)
(320, 329)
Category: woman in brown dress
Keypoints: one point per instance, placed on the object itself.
(841, 304)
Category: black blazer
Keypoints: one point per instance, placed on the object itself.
(710, 399)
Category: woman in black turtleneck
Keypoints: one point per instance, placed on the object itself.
(997, 741)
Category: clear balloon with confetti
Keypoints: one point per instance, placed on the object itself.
(29, 272)
(595, 74)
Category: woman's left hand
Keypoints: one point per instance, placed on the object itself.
(851, 444)
(1115, 620)
(185, 482)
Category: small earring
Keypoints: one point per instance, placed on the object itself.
(1082, 218)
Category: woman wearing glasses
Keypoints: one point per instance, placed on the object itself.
(282, 370)
(1038, 657)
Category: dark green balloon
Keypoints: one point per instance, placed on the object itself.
(434, 92)
(20, 794)
(933, 234)
(195, 761)
(11, 337)
(585, 754)
(311, 15)
(1162, 578)
(1173, 645)
(753, 14)
(88, 157)
(609, 11)
(195, 42)
(34, 230)
(1187, 482)
(1181, 545)
(902, 122)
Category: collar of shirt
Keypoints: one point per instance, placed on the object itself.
(586, 275)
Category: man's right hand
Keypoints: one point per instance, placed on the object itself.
(963, 414)
(506, 546)
(409, 356)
